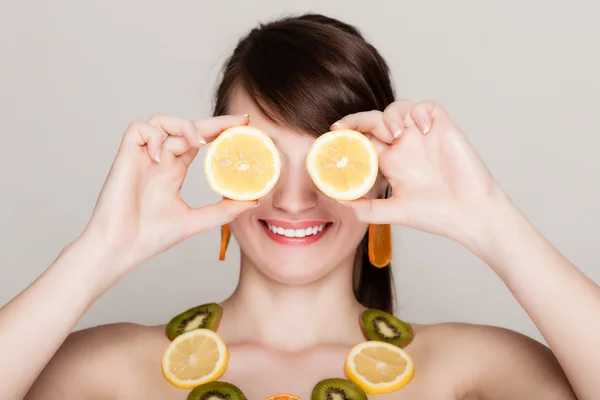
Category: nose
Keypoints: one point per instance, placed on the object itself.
(295, 191)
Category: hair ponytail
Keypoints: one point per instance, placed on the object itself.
(373, 287)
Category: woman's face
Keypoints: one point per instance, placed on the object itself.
(297, 234)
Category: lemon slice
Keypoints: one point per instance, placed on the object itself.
(343, 164)
(194, 358)
(379, 367)
(242, 163)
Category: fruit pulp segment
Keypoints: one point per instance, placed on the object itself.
(197, 321)
(194, 358)
(244, 163)
(344, 163)
(386, 330)
(380, 244)
(379, 364)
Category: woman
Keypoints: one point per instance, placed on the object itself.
(293, 317)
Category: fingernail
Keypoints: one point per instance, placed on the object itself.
(202, 141)
(247, 116)
(157, 157)
(334, 125)
(397, 131)
(423, 126)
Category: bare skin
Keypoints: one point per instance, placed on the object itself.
(293, 315)
(453, 361)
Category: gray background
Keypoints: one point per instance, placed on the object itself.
(521, 78)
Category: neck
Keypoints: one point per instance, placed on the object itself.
(293, 317)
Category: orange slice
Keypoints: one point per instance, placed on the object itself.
(242, 163)
(194, 358)
(380, 244)
(225, 238)
(283, 397)
(343, 164)
(379, 367)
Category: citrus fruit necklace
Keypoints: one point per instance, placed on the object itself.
(196, 357)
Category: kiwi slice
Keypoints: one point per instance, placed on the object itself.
(206, 316)
(216, 390)
(337, 389)
(384, 327)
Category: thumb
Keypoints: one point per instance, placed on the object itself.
(214, 215)
(376, 211)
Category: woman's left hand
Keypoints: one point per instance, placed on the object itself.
(439, 183)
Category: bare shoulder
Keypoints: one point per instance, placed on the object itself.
(495, 363)
(102, 362)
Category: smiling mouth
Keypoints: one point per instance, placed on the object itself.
(303, 233)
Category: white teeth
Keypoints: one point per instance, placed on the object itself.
(313, 230)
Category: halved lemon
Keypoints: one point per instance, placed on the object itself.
(194, 358)
(343, 164)
(242, 163)
(283, 397)
(379, 367)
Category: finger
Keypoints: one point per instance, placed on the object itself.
(421, 113)
(189, 156)
(214, 215)
(176, 145)
(369, 123)
(143, 134)
(178, 126)
(396, 116)
(210, 128)
(376, 211)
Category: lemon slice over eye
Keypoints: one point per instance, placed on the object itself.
(242, 163)
(343, 164)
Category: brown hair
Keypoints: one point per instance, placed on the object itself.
(306, 72)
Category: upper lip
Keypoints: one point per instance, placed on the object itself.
(295, 224)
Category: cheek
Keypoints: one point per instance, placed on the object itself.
(241, 228)
(350, 230)
(353, 234)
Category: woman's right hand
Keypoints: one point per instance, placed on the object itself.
(140, 212)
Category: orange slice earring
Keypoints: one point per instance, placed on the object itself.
(380, 242)
(225, 236)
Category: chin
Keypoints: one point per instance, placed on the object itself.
(294, 272)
